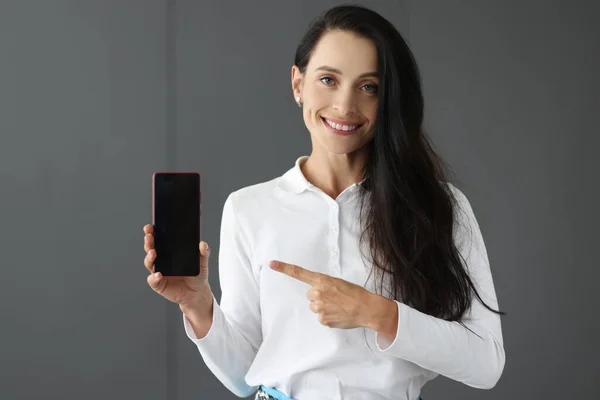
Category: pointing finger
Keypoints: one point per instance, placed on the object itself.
(296, 272)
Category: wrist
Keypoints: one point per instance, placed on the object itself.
(384, 315)
(199, 313)
(200, 306)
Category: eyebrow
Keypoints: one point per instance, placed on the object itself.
(337, 71)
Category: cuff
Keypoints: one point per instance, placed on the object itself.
(217, 318)
(397, 346)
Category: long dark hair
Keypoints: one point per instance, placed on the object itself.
(408, 220)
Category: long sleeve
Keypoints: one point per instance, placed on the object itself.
(445, 347)
(233, 340)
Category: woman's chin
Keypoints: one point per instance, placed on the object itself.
(342, 148)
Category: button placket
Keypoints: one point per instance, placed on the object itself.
(334, 238)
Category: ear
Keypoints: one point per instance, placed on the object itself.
(297, 80)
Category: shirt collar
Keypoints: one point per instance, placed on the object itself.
(294, 180)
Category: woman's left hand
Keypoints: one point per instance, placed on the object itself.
(339, 303)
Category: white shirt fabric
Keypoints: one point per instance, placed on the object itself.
(263, 331)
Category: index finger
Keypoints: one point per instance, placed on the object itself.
(296, 272)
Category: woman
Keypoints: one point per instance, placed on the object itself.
(299, 315)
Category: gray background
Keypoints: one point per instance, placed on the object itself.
(97, 95)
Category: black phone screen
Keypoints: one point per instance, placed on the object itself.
(176, 216)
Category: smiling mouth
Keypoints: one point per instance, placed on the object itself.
(342, 129)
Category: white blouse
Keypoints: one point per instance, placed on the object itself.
(264, 333)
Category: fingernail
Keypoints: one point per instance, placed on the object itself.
(156, 275)
(207, 249)
(273, 264)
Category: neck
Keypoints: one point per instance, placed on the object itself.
(333, 173)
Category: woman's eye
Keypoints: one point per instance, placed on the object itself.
(323, 79)
(373, 88)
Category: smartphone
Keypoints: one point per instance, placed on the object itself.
(176, 213)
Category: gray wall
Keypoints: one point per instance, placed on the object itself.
(82, 128)
(97, 95)
(513, 97)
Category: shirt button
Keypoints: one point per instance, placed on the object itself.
(334, 229)
(334, 253)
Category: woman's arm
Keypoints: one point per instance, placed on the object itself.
(229, 347)
(448, 348)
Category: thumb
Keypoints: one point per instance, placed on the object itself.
(204, 255)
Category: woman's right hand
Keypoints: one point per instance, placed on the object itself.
(187, 291)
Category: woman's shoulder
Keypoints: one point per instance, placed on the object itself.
(460, 198)
(452, 187)
(254, 196)
(462, 206)
(458, 195)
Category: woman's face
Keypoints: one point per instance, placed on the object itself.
(339, 92)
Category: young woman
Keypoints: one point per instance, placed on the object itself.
(300, 316)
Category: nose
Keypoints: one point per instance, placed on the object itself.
(344, 102)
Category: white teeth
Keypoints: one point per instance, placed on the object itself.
(341, 127)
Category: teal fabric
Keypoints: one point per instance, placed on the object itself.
(275, 393)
